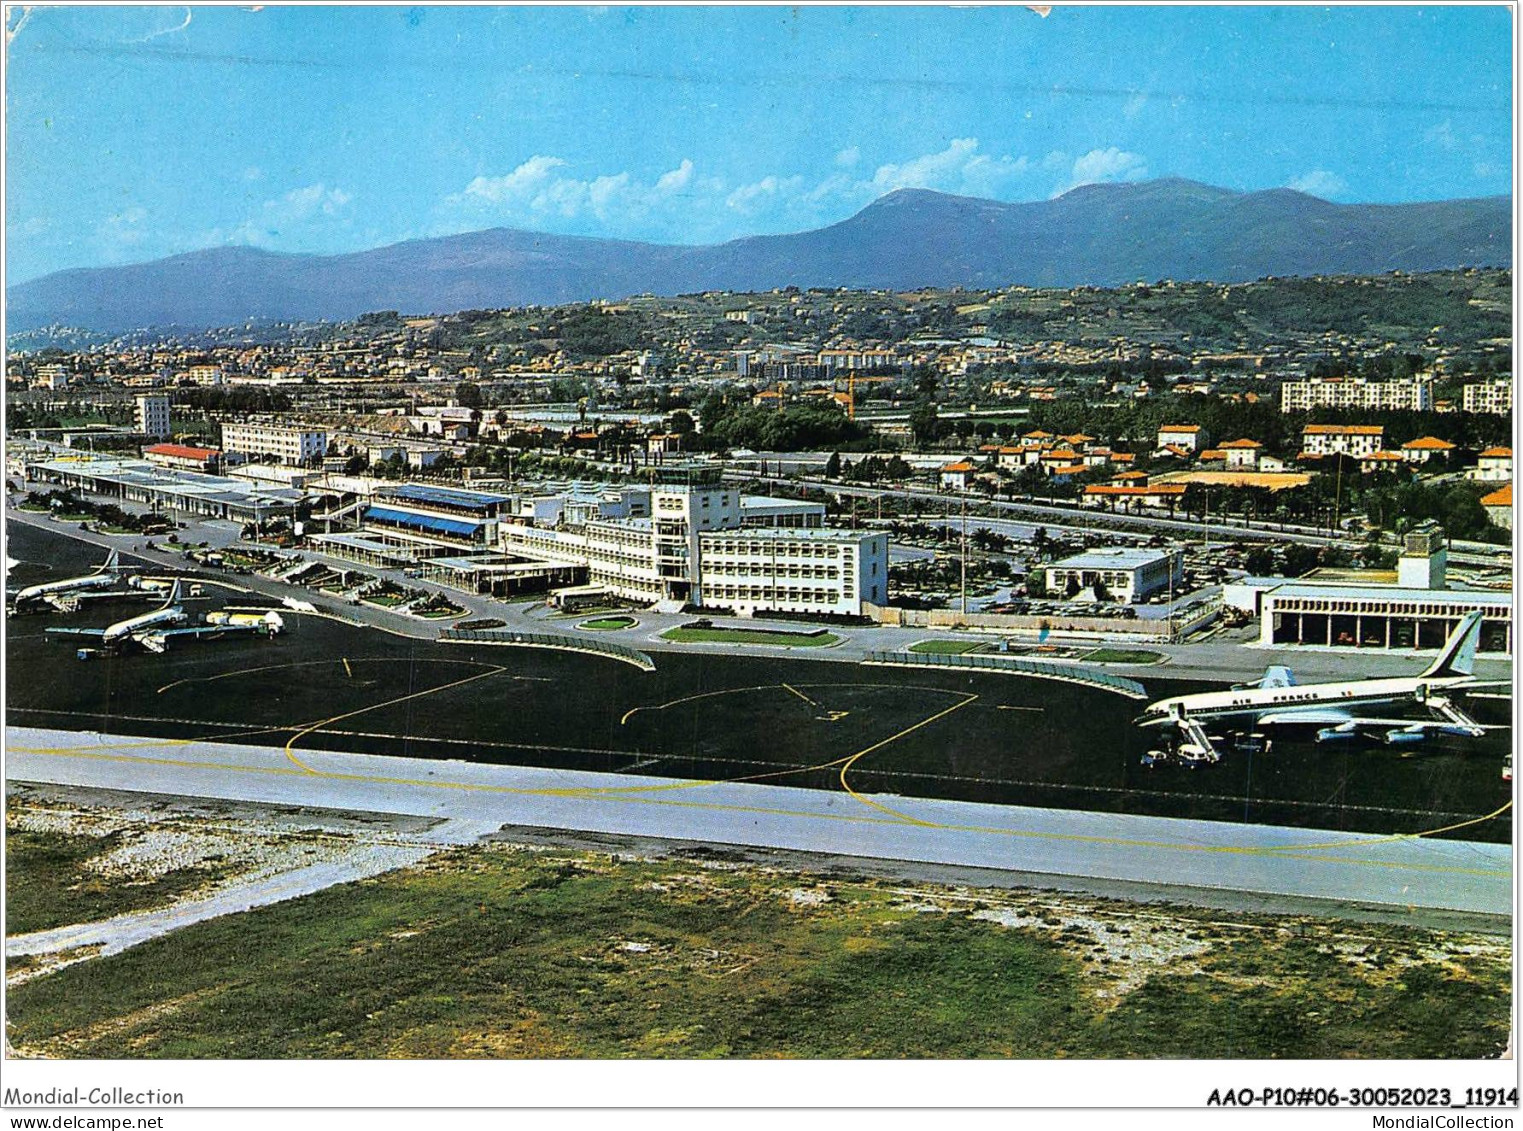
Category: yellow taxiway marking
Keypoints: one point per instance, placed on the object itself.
(302, 664)
(893, 818)
(848, 762)
(306, 730)
(800, 694)
(348, 671)
(1007, 707)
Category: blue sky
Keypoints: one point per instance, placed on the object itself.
(140, 132)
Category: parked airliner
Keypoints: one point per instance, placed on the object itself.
(153, 631)
(1336, 709)
(63, 593)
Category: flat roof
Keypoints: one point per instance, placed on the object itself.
(189, 484)
(1117, 558)
(766, 502)
(1393, 593)
(813, 534)
(448, 496)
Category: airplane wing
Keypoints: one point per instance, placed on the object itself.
(92, 633)
(203, 631)
(1306, 716)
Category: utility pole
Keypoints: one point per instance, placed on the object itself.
(965, 557)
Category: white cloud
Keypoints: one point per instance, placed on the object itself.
(1100, 166)
(541, 187)
(677, 179)
(758, 196)
(1319, 182)
(287, 219)
(685, 203)
(529, 177)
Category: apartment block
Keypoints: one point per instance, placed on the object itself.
(295, 446)
(1415, 394)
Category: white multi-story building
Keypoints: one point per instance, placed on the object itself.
(296, 446)
(1494, 465)
(794, 570)
(1493, 396)
(699, 548)
(1190, 437)
(151, 415)
(1355, 440)
(52, 377)
(1415, 394)
(845, 360)
(1124, 575)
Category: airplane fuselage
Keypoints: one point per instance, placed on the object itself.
(68, 585)
(123, 629)
(1258, 703)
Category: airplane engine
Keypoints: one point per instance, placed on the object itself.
(1340, 733)
(1406, 736)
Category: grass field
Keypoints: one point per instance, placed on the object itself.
(505, 952)
(948, 647)
(746, 636)
(607, 624)
(1123, 656)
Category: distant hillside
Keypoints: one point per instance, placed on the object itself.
(1097, 235)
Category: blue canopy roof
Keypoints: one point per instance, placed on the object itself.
(462, 527)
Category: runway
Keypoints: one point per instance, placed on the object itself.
(1397, 870)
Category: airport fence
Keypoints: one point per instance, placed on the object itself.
(1041, 669)
(508, 636)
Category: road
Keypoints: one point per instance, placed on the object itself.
(1069, 518)
(1395, 871)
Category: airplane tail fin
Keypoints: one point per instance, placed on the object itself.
(1458, 656)
(111, 562)
(174, 594)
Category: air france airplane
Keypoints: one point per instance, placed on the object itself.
(1337, 709)
(56, 593)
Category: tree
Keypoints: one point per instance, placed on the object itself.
(468, 394)
(833, 466)
(925, 422)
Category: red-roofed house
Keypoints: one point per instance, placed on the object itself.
(1424, 448)
(1381, 461)
(1188, 436)
(1242, 453)
(182, 457)
(1356, 440)
(957, 476)
(1498, 506)
(1494, 465)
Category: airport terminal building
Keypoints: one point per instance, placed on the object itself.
(1415, 614)
(703, 545)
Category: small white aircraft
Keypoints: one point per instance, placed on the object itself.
(153, 631)
(1336, 709)
(66, 593)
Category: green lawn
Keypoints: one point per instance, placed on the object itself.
(1122, 656)
(948, 647)
(744, 636)
(509, 953)
(608, 624)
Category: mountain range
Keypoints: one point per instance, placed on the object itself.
(1100, 235)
